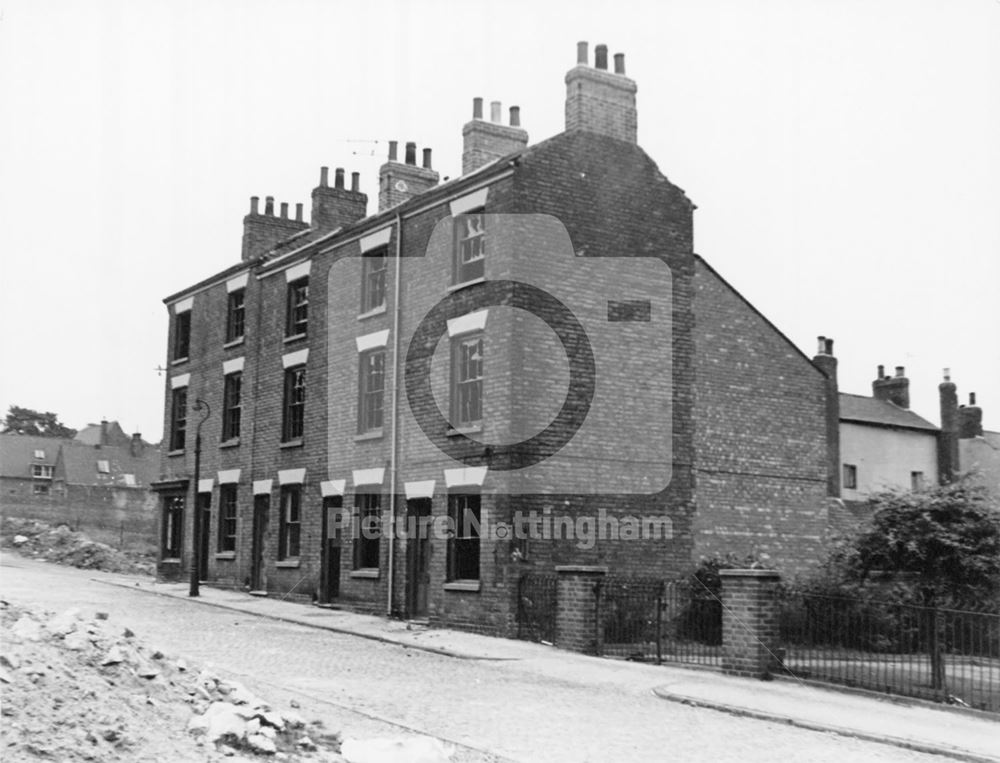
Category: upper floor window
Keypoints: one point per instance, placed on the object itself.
(850, 477)
(182, 335)
(39, 453)
(293, 418)
(232, 406)
(464, 513)
(41, 471)
(470, 246)
(297, 314)
(103, 466)
(373, 270)
(371, 384)
(235, 316)
(178, 418)
(227, 518)
(467, 381)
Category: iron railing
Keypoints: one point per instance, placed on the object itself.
(947, 655)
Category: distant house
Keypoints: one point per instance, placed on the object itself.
(102, 476)
(965, 446)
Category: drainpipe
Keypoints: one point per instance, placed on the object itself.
(395, 410)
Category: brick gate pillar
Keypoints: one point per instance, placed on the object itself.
(749, 621)
(576, 608)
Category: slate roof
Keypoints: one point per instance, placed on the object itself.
(80, 464)
(17, 453)
(870, 410)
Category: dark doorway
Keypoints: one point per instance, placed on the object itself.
(261, 508)
(418, 515)
(332, 539)
(205, 517)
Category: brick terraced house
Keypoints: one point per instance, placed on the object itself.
(648, 389)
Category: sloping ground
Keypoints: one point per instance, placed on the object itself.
(40, 540)
(82, 689)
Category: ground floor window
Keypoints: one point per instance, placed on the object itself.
(290, 528)
(464, 513)
(173, 522)
(227, 518)
(368, 530)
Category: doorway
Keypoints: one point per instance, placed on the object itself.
(331, 541)
(418, 516)
(261, 508)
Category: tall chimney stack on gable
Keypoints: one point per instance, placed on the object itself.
(970, 419)
(401, 181)
(892, 389)
(338, 206)
(598, 100)
(948, 438)
(262, 232)
(827, 362)
(484, 142)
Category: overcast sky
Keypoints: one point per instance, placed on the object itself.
(844, 157)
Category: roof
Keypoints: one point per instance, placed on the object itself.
(81, 464)
(17, 453)
(871, 410)
(91, 435)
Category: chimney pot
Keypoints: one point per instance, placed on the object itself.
(495, 109)
(254, 201)
(972, 398)
(581, 53)
(298, 212)
(427, 159)
(477, 108)
(947, 374)
(900, 372)
(392, 150)
(269, 205)
(821, 341)
(881, 372)
(619, 63)
(284, 209)
(829, 347)
(324, 177)
(338, 177)
(356, 182)
(515, 116)
(601, 57)
(411, 153)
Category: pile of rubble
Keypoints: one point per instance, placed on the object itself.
(64, 546)
(81, 689)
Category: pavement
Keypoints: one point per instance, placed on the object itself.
(910, 724)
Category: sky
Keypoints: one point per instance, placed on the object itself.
(844, 156)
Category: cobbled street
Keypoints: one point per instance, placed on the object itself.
(530, 710)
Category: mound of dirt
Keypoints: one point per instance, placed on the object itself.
(79, 688)
(64, 546)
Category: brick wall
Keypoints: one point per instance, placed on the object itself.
(760, 434)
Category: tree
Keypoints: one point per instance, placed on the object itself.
(26, 421)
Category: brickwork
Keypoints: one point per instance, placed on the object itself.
(262, 231)
(576, 608)
(750, 621)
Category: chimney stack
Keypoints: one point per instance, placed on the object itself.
(970, 419)
(401, 181)
(262, 232)
(892, 389)
(104, 433)
(136, 446)
(948, 438)
(484, 142)
(827, 363)
(600, 101)
(336, 207)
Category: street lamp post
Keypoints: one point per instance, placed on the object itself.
(196, 514)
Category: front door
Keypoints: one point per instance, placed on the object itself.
(330, 532)
(261, 508)
(205, 518)
(418, 512)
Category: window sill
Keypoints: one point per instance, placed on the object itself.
(372, 313)
(233, 343)
(287, 564)
(233, 443)
(171, 560)
(227, 555)
(478, 429)
(462, 585)
(173, 453)
(465, 284)
(375, 434)
(369, 573)
(291, 444)
(295, 338)
(178, 361)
